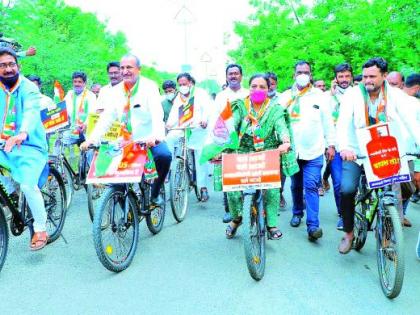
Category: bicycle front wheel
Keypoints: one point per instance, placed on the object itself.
(68, 184)
(116, 229)
(390, 251)
(254, 239)
(178, 188)
(4, 238)
(54, 194)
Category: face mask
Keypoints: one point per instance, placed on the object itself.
(78, 90)
(9, 82)
(271, 93)
(258, 96)
(184, 89)
(341, 90)
(234, 85)
(170, 96)
(302, 80)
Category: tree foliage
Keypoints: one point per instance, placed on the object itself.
(330, 32)
(66, 39)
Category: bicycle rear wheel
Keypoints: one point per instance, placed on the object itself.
(254, 239)
(155, 219)
(54, 194)
(390, 251)
(4, 238)
(94, 193)
(116, 229)
(178, 189)
(68, 183)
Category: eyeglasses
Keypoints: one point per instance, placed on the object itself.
(10, 65)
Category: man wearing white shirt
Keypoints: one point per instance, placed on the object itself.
(135, 102)
(342, 81)
(312, 127)
(114, 75)
(189, 94)
(370, 103)
(79, 102)
(232, 92)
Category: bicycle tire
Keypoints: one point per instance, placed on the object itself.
(178, 190)
(360, 230)
(389, 226)
(193, 174)
(4, 238)
(254, 241)
(55, 206)
(155, 219)
(115, 195)
(68, 183)
(93, 198)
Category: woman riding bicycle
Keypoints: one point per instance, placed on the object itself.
(261, 126)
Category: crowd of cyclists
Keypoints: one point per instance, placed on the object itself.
(313, 128)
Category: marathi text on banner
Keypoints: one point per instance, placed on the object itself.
(111, 135)
(257, 170)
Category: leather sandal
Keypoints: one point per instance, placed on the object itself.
(274, 233)
(39, 240)
(204, 194)
(231, 230)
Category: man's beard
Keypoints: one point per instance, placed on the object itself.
(10, 81)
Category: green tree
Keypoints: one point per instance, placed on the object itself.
(66, 39)
(330, 32)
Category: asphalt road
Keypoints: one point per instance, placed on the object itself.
(191, 268)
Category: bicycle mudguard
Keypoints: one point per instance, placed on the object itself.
(44, 175)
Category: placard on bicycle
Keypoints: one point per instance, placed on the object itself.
(56, 118)
(256, 170)
(121, 165)
(384, 165)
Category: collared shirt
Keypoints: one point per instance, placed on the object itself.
(315, 128)
(146, 111)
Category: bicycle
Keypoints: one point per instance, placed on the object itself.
(183, 179)
(73, 180)
(253, 213)
(381, 204)
(121, 209)
(54, 194)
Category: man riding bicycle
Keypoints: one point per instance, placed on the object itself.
(135, 102)
(25, 153)
(372, 102)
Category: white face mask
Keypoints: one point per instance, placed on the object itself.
(170, 96)
(302, 80)
(184, 89)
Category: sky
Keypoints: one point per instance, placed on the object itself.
(156, 33)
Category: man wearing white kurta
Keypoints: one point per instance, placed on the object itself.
(234, 91)
(201, 104)
(312, 126)
(114, 74)
(370, 103)
(136, 103)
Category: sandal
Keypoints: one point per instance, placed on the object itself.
(39, 240)
(204, 194)
(231, 230)
(274, 233)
